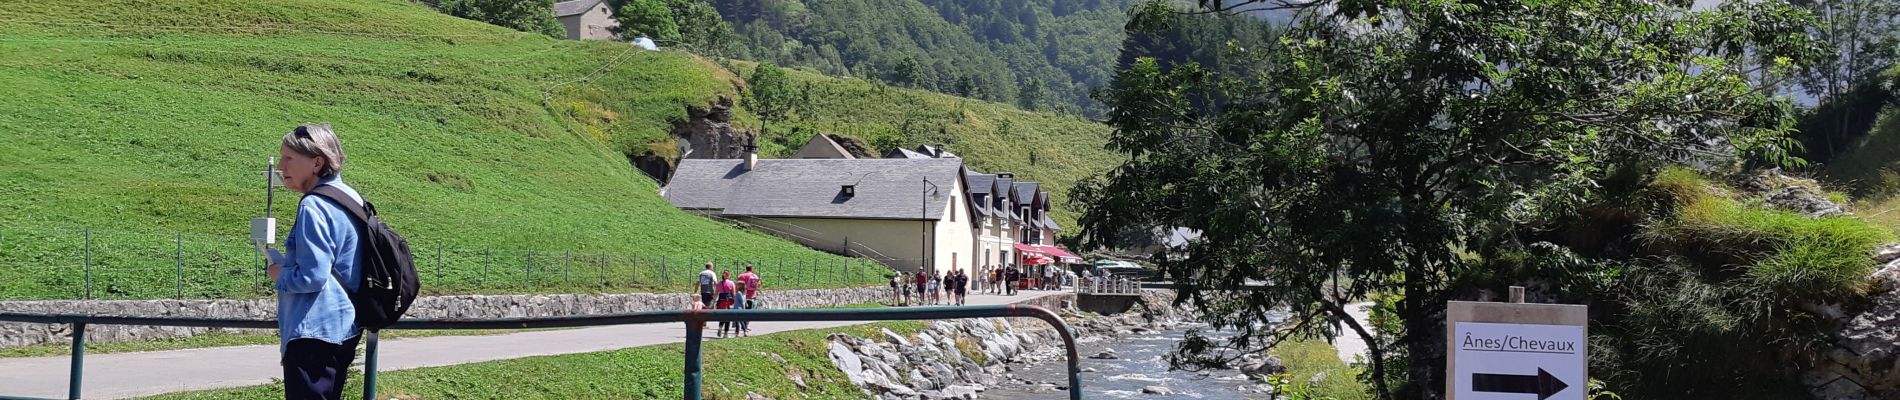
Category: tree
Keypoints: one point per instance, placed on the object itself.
(1031, 95)
(1864, 36)
(534, 16)
(1385, 148)
(701, 28)
(649, 18)
(772, 96)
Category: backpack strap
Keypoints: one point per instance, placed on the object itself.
(357, 213)
(362, 212)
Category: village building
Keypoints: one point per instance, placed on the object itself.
(830, 200)
(904, 213)
(587, 19)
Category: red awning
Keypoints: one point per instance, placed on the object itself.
(1063, 254)
(1057, 253)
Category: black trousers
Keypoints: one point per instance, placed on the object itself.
(315, 369)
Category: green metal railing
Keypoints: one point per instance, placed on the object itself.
(694, 320)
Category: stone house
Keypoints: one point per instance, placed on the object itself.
(905, 213)
(587, 19)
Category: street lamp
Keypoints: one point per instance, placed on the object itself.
(923, 237)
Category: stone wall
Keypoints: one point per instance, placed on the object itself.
(459, 307)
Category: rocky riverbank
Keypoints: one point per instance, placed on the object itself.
(958, 359)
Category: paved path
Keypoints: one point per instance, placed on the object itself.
(1348, 342)
(147, 373)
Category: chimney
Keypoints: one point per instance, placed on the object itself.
(1005, 175)
(751, 154)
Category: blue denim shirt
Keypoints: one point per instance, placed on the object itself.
(311, 302)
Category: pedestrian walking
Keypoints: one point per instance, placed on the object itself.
(931, 291)
(897, 295)
(922, 282)
(317, 272)
(726, 290)
(749, 284)
(707, 281)
(963, 286)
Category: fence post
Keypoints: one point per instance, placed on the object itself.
(88, 263)
(565, 260)
(602, 262)
(633, 268)
(663, 275)
(78, 364)
(438, 263)
(530, 269)
(179, 280)
(486, 257)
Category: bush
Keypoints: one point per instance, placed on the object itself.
(535, 16)
(1714, 297)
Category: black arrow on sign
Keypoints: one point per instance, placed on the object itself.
(1543, 385)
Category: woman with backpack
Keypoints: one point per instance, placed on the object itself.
(314, 276)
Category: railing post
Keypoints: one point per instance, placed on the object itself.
(78, 362)
(692, 357)
(88, 263)
(369, 366)
(179, 280)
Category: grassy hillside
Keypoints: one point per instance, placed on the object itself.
(1053, 149)
(142, 120)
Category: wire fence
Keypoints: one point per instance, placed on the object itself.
(72, 263)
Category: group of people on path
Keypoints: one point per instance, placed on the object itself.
(950, 288)
(718, 291)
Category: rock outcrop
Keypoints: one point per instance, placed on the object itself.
(1796, 194)
(1864, 361)
(957, 359)
(707, 132)
(857, 148)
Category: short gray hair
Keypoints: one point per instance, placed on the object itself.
(317, 140)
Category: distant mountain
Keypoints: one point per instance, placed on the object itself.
(1036, 54)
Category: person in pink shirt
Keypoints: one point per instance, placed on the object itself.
(748, 296)
(726, 289)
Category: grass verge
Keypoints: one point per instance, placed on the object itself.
(1314, 372)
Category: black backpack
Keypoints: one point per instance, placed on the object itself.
(388, 283)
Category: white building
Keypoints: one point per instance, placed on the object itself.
(905, 213)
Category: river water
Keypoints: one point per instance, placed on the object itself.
(1141, 363)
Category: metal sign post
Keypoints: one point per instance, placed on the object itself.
(1516, 351)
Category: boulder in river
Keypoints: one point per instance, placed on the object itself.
(1158, 390)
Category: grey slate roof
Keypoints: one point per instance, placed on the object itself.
(905, 153)
(886, 188)
(979, 182)
(1026, 191)
(1009, 202)
(981, 185)
(1050, 223)
(567, 8)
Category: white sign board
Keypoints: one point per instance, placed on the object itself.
(1498, 361)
